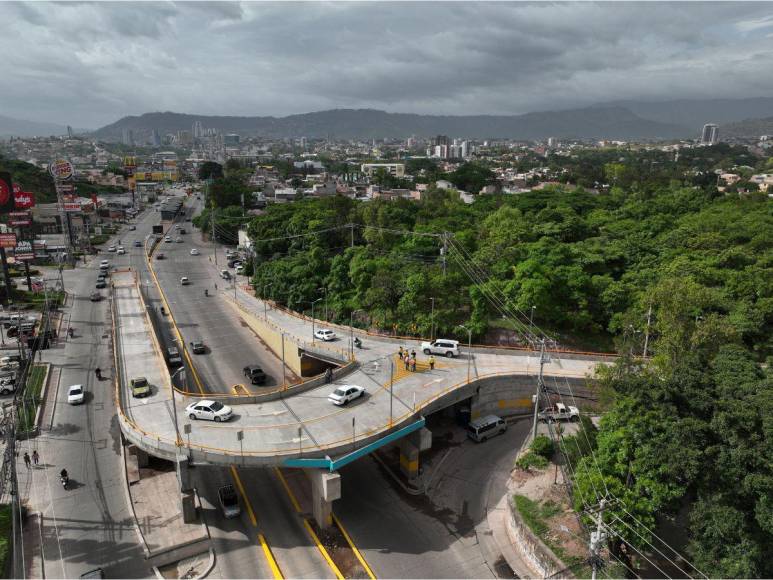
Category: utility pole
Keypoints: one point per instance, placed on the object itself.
(352, 232)
(432, 323)
(445, 250)
(391, 387)
(212, 220)
(596, 539)
(542, 361)
(647, 332)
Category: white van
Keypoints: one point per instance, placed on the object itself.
(485, 428)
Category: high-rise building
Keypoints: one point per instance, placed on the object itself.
(231, 140)
(127, 137)
(198, 130)
(69, 131)
(710, 134)
(155, 138)
(441, 140)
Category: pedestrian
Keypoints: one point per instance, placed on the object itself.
(407, 361)
(400, 352)
(413, 363)
(432, 363)
(35, 456)
(413, 353)
(27, 459)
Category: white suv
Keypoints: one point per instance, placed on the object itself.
(441, 346)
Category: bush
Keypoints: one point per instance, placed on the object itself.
(543, 446)
(530, 460)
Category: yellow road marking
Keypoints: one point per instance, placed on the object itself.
(270, 557)
(238, 481)
(294, 501)
(354, 548)
(322, 549)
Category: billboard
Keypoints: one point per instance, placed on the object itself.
(7, 240)
(6, 193)
(61, 169)
(22, 199)
(19, 218)
(23, 251)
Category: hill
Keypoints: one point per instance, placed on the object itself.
(10, 127)
(31, 178)
(589, 123)
(694, 113)
(748, 128)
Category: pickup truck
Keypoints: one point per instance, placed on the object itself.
(229, 501)
(560, 412)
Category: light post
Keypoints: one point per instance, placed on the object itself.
(324, 288)
(265, 303)
(469, 349)
(531, 318)
(432, 321)
(313, 321)
(178, 440)
(391, 389)
(351, 330)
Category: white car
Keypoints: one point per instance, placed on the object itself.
(75, 395)
(184, 281)
(325, 334)
(179, 240)
(121, 250)
(345, 393)
(441, 346)
(104, 264)
(111, 249)
(194, 252)
(167, 239)
(239, 269)
(209, 410)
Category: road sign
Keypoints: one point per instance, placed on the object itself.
(7, 240)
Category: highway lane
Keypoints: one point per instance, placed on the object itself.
(443, 534)
(231, 344)
(91, 524)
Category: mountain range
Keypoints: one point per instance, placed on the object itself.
(22, 128)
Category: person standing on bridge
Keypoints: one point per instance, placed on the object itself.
(413, 364)
(407, 361)
(431, 363)
(400, 352)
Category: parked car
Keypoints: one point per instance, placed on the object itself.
(239, 269)
(7, 386)
(75, 395)
(198, 347)
(140, 387)
(233, 262)
(194, 252)
(225, 274)
(345, 393)
(441, 346)
(209, 410)
(324, 334)
(255, 374)
(132, 227)
(111, 249)
(101, 283)
(229, 501)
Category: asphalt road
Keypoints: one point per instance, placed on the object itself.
(444, 533)
(90, 525)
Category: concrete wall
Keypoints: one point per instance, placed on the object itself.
(540, 558)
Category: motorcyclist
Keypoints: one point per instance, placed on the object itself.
(206, 292)
(357, 342)
(98, 372)
(70, 332)
(63, 474)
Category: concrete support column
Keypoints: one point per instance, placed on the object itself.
(325, 489)
(142, 457)
(184, 474)
(188, 506)
(410, 447)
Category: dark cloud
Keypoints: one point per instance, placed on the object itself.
(90, 63)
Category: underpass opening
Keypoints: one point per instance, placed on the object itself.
(313, 365)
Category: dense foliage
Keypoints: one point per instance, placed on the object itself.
(591, 265)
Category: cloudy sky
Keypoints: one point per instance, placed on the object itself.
(88, 64)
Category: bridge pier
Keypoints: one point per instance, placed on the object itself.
(325, 489)
(410, 447)
(187, 496)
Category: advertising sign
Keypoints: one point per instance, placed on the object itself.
(23, 199)
(6, 193)
(61, 169)
(65, 188)
(23, 251)
(72, 206)
(7, 240)
(19, 218)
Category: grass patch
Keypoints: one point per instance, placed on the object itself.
(6, 526)
(99, 239)
(531, 459)
(31, 397)
(37, 300)
(535, 515)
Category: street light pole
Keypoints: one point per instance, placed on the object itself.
(539, 389)
(432, 321)
(391, 388)
(351, 330)
(324, 288)
(265, 303)
(531, 318)
(178, 440)
(313, 321)
(469, 349)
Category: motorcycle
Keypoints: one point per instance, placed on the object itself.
(357, 343)
(206, 292)
(163, 311)
(64, 479)
(70, 332)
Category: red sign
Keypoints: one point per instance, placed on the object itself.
(94, 199)
(19, 218)
(6, 191)
(71, 206)
(23, 199)
(7, 240)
